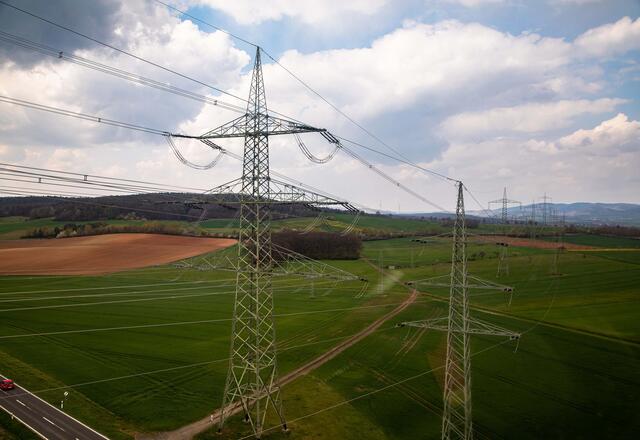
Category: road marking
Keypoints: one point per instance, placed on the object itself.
(53, 423)
(21, 403)
(22, 421)
(57, 410)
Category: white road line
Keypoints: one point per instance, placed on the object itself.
(21, 403)
(56, 409)
(53, 424)
(25, 424)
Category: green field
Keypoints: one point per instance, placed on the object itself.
(600, 241)
(575, 374)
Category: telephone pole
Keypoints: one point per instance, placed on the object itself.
(459, 326)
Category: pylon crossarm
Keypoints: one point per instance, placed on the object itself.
(445, 281)
(486, 285)
(285, 262)
(476, 327)
(235, 128)
(278, 126)
(440, 324)
(479, 327)
(232, 187)
(280, 193)
(293, 263)
(242, 126)
(287, 193)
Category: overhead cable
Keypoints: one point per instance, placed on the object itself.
(94, 65)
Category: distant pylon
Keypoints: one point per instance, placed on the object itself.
(505, 202)
(545, 208)
(503, 259)
(533, 219)
(459, 325)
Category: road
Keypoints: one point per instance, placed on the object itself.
(47, 421)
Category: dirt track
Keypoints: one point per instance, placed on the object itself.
(100, 254)
(189, 431)
(529, 242)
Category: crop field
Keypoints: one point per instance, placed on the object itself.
(601, 241)
(145, 350)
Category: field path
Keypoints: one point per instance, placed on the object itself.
(189, 431)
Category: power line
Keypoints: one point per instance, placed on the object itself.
(78, 115)
(392, 180)
(184, 93)
(224, 31)
(80, 34)
(402, 158)
(102, 177)
(163, 370)
(378, 390)
(406, 162)
(202, 321)
(94, 65)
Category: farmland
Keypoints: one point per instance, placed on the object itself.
(145, 350)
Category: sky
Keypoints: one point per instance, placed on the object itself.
(540, 97)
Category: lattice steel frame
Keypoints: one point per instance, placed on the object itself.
(253, 369)
(457, 409)
(252, 379)
(456, 419)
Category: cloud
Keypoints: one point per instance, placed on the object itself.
(474, 3)
(466, 79)
(611, 137)
(97, 18)
(154, 35)
(251, 12)
(457, 64)
(610, 39)
(530, 118)
(579, 166)
(573, 2)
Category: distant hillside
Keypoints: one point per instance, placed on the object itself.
(157, 206)
(626, 214)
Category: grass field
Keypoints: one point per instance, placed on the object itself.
(600, 241)
(575, 373)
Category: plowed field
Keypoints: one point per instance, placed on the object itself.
(100, 254)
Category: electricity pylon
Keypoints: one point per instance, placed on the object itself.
(252, 376)
(503, 259)
(503, 263)
(532, 231)
(459, 325)
(505, 202)
(545, 208)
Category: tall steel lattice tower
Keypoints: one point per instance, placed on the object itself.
(252, 378)
(504, 202)
(457, 380)
(459, 325)
(503, 263)
(253, 369)
(545, 208)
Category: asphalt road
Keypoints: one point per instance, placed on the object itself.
(47, 421)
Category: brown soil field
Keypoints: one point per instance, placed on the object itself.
(100, 254)
(528, 242)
